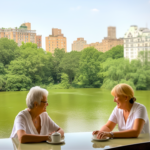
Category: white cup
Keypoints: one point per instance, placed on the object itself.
(56, 137)
(95, 136)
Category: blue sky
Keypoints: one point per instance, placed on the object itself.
(76, 18)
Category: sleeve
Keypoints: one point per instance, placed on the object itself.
(113, 116)
(141, 113)
(52, 125)
(20, 123)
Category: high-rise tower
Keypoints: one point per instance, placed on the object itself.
(56, 40)
(111, 32)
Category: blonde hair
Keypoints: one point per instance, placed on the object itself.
(125, 90)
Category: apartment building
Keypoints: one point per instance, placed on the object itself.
(78, 45)
(21, 34)
(56, 40)
(108, 42)
(39, 41)
(136, 40)
(111, 32)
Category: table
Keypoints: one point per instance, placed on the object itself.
(81, 141)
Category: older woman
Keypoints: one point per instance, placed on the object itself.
(131, 117)
(33, 124)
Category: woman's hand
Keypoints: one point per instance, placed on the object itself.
(101, 134)
(95, 132)
(52, 132)
(49, 136)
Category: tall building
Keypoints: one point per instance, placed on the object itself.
(136, 40)
(21, 34)
(108, 42)
(111, 32)
(78, 45)
(27, 24)
(39, 41)
(56, 40)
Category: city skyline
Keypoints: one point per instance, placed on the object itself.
(87, 19)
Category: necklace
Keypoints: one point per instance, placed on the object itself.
(35, 121)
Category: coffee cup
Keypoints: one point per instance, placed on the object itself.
(95, 136)
(56, 137)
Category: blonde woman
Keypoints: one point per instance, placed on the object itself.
(131, 117)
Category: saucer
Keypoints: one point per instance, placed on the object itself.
(61, 141)
(100, 139)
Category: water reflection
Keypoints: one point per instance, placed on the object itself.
(101, 146)
(38, 146)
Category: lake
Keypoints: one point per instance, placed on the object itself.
(74, 110)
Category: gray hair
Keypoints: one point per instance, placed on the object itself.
(35, 95)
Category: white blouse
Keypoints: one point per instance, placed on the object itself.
(23, 121)
(137, 111)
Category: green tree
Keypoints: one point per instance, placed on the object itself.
(35, 64)
(89, 68)
(64, 81)
(70, 64)
(122, 70)
(114, 53)
(2, 69)
(7, 50)
(57, 70)
(2, 83)
(17, 83)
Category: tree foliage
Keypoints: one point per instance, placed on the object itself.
(89, 68)
(114, 53)
(123, 71)
(8, 49)
(26, 66)
(70, 64)
(57, 70)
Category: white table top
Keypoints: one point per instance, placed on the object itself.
(73, 141)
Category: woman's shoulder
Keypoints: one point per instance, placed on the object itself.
(139, 107)
(22, 115)
(22, 112)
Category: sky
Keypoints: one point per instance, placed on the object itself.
(76, 18)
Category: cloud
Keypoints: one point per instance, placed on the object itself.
(75, 8)
(94, 10)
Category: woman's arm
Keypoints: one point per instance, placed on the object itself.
(29, 138)
(134, 132)
(109, 126)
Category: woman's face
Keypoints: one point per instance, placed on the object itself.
(43, 105)
(121, 101)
